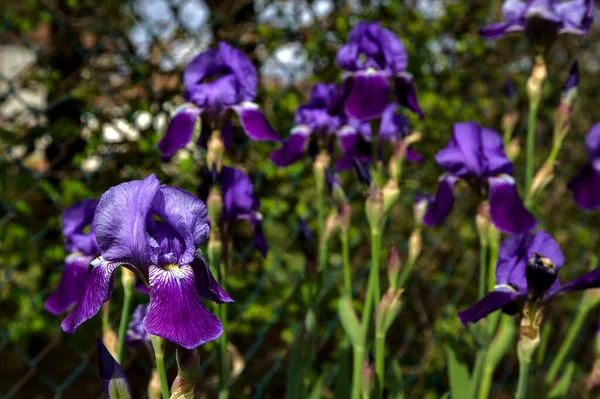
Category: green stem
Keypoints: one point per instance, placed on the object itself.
(486, 381)
(477, 372)
(359, 358)
(223, 369)
(379, 364)
(346, 264)
(494, 245)
(320, 191)
(162, 374)
(407, 269)
(366, 316)
(375, 255)
(533, 107)
(125, 311)
(522, 386)
(483, 266)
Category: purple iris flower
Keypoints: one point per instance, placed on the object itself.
(113, 377)
(527, 272)
(372, 57)
(136, 333)
(585, 186)
(476, 154)
(82, 247)
(154, 230)
(217, 81)
(542, 20)
(239, 201)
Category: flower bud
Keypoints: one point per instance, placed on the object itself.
(127, 280)
(536, 81)
(391, 194)
(188, 365)
(420, 208)
(513, 149)
(344, 217)
(393, 266)
(374, 209)
(331, 225)
(367, 377)
(509, 122)
(482, 221)
(154, 390)
(110, 341)
(158, 344)
(320, 165)
(214, 204)
(112, 375)
(387, 310)
(335, 188)
(415, 244)
(541, 179)
(529, 333)
(571, 89)
(362, 171)
(215, 151)
(215, 247)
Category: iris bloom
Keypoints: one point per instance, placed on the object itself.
(239, 202)
(476, 154)
(542, 20)
(113, 377)
(585, 186)
(217, 81)
(82, 247)
(372, 58)
(527, 273)
(155, 231)
(136, 333)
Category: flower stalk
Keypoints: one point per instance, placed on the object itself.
(128, 282)
(159, 344)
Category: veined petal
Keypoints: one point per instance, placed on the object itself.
(186, 214)
(406, 93)
(71, 284)
(493, 301)
(205, 282)
(176, 312)
(585, 186)
(370, 92)
(293, 148)
(255, 123)
(180, 130)
(96, 290)
(441, 205)
(113, 377)
(507, 211)
(121, 221)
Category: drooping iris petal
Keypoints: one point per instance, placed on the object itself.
(369, 95)
(186, 214)
(176, 312)
(406, 93)
(180, 130)
(121, 221)
(71, 284)
(507, 211)
(490, 303)
(293, 148)
(497, 30)
(74, 221)
(207, 286)
(440, 206)
(588, 280)
(97, 290)
(238, 194)
(113, 377)
(585, 187)
(255, 124)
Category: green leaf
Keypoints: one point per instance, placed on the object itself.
(561, 389)
(294, 372)
(315, 393)
(343, 377)
(350, 321)
(397, 391)
(458, 374)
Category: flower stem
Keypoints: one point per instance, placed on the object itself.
(530, 147)
(128, 279)
(483, 266)
(346, 264)
(376, 295)
(523, 383)
(223, 368)
(158, 344)
(379, 364)
(359, 357)
(477, 372)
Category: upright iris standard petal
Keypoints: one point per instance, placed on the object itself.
(255, 124)
(75, 220)
(113, 377)
(490, 303)
(293, 148)
(464, 155)
(97, 290)
(180, 130)
(71, 284)
(440, 206)
(121, 221)
(507, 211)
(370, 92)
(176, 312)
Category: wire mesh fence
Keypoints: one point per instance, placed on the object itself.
(86, 91)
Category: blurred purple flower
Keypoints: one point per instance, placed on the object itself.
(217, 82)
(573, 78)
(509, 89)
(113, 377)
(136, 333)
(80, 243)
(585, 186)
(477, 154)
(542, 20)
(155, 230)
(527, 272)
(239, 201)
(372, 57)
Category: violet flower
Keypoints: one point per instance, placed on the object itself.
(373, 57)
(239, 201)
(155, 230)
(527, 273)
(217, 81)
(476, 154)
(136, 333)
(542, 20)
(585, 186)
(82, 248)
(113, 377)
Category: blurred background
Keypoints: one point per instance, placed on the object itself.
(86, 92)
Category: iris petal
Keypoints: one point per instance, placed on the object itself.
(585, 187)
(180, 130)
(369, 95)
(74, 220)
(406, 93)
(71, 284)
(206, 284)
(441, 205)
(490, 303)
(255, 123)
(507, 211)
(113, 377)
(293, 148)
